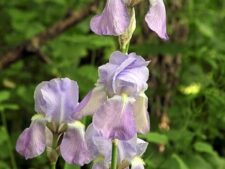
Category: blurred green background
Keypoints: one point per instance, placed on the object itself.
(186, 86)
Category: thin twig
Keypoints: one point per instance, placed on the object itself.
(33, 45)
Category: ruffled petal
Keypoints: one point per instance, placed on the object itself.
(114, 119)
(124, 74)
(32, 141)
(73, 147)
(132, 82)
(114, 19)
(156, 18)
(57, 99)
(91, 102)
(141, 114)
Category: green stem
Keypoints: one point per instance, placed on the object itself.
(53, 165)
(114, 154)
(9, 144)
(125, 48)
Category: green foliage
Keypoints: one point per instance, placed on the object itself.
(195, 139)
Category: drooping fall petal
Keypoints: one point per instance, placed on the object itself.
(73, 147)
(115, 119)
(156, 18)
(32, 141)
(114, 20)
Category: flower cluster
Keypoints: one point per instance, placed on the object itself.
(117, 103)
(119, 108)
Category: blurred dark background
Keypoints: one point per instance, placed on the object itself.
(43, 39)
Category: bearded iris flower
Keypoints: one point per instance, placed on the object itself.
(56, 101)
(115, 18)
(129, 151)
(118, 101)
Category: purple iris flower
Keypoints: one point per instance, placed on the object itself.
(115, 18)
(118, 101)
(56, 101)
(101, 149)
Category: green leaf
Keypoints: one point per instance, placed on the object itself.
(4, 95)
(3, 135)
(4, 165)
(204, 148)
(9, 107)
(180, 161)
(155, 137)
(69, 166)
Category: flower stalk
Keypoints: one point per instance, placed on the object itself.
(114, 154)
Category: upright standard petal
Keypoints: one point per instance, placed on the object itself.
(32, 141)
(124, 74)
(73, 147)
(57, 99)
(141, 114)
(114, 119)
(156, 18)
(114, 20)
(91, 102)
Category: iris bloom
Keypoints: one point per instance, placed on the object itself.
(129, 152)
(115, 18)
(56, 101)
(118, 101)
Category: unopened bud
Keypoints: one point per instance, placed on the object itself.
(125, 38)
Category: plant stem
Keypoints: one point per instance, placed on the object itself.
(9, 144)
(53, 165)
(114, 154)
(125, 48)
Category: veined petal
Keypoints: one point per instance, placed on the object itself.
(73, 147)
(127, 150)
(141, 146)
(91, 102)
(90, 136)
(114, 119)
(156, 18)
(114, 20)
(32, 141)
(57, 99)
(98, 145)
(141, 114)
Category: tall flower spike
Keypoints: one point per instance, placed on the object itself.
(114, 19)
(156, 18)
